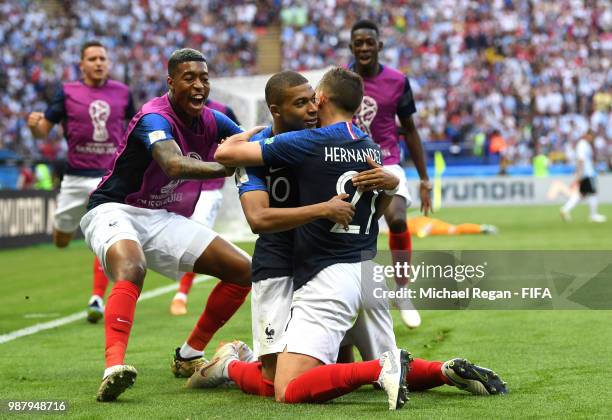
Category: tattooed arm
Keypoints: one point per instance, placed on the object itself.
(170, 158)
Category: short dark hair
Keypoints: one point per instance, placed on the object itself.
(279, 82)
(184, 55)
(344, 88)
(365, 24)
(90, 44)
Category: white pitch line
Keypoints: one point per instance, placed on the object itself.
(5, 338)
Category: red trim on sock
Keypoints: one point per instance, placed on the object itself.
(186, 283)
(249, 379)
(223, 302)
(100, 281)
(425, 374)
(327, 382)
(118, 319)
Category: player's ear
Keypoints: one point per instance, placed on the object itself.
(170, 82)
(380, 45)
(275, 110)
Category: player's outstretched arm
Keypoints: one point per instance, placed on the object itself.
(238, 151)
(170, 158)
(265, 219)
(415, 146)
(39, 126)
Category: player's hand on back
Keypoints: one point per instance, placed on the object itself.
(34, 118)
(340, 211)
(376, 178)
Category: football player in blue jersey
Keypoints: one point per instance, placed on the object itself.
(327, 255)
(269, 198)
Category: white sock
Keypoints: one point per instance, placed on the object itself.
(110, 370)
(94, 298)
(181, 296)
(593, 204)
(187, 352)
(571, 203)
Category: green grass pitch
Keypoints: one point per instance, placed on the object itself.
(556, 363)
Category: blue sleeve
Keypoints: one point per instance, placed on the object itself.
(251, 179)
(230, 114)
(225, 126)
(152, 128)
(287, 149)
(406, 106)
(56, 111)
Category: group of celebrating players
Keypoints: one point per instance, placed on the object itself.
(312, 185)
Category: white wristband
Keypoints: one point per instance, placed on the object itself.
(392, 192)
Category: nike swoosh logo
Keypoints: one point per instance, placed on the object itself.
(272, 170)
(123, 320)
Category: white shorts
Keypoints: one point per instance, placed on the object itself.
(270, 305)
(207, 207)
(399, 172)
(372, 333)
(326, 308)
(171, 243)
(72, 201)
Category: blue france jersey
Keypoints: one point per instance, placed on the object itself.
(324, 160)
(273, 253)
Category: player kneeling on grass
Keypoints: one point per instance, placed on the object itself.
(138, 217)
(327, 280)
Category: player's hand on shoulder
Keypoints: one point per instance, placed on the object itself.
(340, 211)
(375, 179)
(244, 136)
(34, 118)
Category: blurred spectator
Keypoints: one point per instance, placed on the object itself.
(536, 71)
(40, 42)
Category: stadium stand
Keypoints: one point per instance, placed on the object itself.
(40, 43)
(539, 73)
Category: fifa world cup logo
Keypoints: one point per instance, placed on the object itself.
(99, 111)
(366, 113)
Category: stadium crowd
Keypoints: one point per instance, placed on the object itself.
(529, 74)
(505, 76)
(40, 44)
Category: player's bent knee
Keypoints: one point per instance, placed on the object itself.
(243, 273)
(397, 225)
(268, 366)
(279, 394)
(131, 270)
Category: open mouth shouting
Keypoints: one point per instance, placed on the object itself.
(197, 100)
